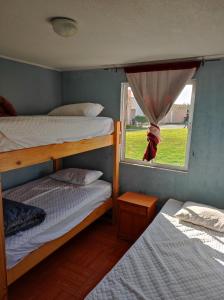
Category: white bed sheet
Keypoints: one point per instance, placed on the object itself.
(66, 205)
(30, 131)
(171, 260)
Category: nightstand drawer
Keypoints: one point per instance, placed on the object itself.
(131, 226)
(131, 208)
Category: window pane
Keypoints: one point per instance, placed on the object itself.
(174, 130)
(136, 127)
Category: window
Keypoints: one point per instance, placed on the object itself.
(173, 150)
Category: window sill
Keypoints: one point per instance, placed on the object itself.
(155, 166)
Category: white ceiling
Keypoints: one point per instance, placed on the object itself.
(111, 32)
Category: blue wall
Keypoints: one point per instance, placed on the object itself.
(101, 86)
(204, 180)
(32, 90)
(35, 90)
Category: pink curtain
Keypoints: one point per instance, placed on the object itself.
(155, 92)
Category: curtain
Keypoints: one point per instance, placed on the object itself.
(155, 90)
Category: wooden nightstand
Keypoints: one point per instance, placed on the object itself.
(135, 212)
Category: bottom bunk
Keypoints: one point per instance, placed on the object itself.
(69, 209)
(171, 260)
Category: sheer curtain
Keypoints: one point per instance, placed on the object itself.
(156, 87)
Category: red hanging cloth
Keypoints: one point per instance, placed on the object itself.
(153, 138)
(6, 108)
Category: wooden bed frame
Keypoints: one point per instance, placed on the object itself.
(26, 157)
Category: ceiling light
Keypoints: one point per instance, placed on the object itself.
(65, 27)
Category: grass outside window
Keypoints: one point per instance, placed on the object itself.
(171, 150)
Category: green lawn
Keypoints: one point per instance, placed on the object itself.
(171, 150)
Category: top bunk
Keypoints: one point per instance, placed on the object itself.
(29, 140)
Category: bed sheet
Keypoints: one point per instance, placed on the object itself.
(31, 131)
(66, 205)
(171, 260)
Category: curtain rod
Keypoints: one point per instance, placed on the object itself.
(199, 58)
(177, 65)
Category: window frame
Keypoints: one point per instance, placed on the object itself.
(152, 164)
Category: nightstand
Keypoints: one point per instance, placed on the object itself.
(135, 212)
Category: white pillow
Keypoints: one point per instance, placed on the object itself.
(78, 109)
(202, 215)
(77, 176)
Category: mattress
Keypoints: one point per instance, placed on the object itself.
(171, 260)
(30, 131)
(66, 206)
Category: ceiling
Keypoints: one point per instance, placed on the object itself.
(111, 32)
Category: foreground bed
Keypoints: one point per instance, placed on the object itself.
(171, 260)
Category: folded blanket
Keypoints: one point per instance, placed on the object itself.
(19, 216)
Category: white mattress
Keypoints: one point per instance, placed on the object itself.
(170, 260)
(66, 205)
(30, 131)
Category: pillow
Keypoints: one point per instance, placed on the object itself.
(202, 215)
(78, 109)
(77, 176)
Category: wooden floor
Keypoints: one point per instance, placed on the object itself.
(72, 271)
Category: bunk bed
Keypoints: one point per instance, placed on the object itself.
(24, 157)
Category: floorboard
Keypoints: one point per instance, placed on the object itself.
(73, 270)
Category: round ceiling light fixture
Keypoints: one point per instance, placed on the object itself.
(65, 27)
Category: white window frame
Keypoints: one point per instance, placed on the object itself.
(124, 90)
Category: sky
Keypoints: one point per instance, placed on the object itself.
(185, 95)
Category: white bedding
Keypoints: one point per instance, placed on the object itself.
(171, 260)
(66, 205)
(30, 131)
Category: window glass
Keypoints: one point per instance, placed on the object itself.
(175, 129)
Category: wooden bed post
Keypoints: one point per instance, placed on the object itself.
(117, 138)
(3, 276)
(57, 164)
